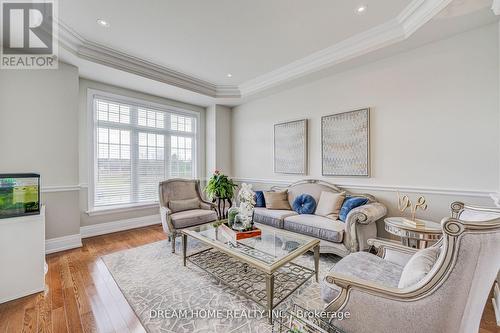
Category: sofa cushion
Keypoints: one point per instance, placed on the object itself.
(313, 189)
(259, 199)
(277, 200)
(315, 226)
(181, 205)
(272, 217)
(418, 266)
(365, 266)
(329, 204)
(189, 218)
(349, 204)
(304, 204)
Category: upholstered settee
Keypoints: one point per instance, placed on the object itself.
(338, 237)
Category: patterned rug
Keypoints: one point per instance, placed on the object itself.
(168, 297)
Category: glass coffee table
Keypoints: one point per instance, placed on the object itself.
(260, 267)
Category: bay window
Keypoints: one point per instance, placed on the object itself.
(135, 146)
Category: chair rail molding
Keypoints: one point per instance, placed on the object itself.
(496, 198)
(374, 187)
(61, 188)
(414, 16)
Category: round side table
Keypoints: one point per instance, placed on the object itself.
(411, 236)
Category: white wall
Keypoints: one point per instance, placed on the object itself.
(85, 84)
(38, 126)
(218, 140)
(43, 129)
(211, 140)
(434, 122)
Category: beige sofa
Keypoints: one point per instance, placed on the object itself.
(336, 237)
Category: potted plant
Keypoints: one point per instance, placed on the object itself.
(220, 188)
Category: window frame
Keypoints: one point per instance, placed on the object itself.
(92, 94)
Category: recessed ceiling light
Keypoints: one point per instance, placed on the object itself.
(103, 23)
(361, 9)
(229, 75)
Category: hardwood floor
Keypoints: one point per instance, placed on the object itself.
(83, 297)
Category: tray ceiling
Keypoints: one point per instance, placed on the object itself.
(194, 44)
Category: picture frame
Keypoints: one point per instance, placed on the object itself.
(345, 144)
(291, 147)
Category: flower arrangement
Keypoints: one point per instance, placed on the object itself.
(246, 197)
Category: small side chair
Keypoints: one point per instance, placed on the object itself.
(181, 206)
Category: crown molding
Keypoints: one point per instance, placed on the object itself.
(377, 37)
(227, 92)
(418, 13)
(98, 53)
(414, 16)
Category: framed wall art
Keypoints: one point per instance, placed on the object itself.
(290, 147)
(345, 144)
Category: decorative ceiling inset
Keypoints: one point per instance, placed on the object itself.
(193, 45)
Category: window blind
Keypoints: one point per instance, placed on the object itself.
(136, 147)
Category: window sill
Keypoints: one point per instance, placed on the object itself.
(120, 209)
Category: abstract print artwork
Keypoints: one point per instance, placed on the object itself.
(345, 143)
(290, 147)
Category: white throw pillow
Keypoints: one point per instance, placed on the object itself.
(419, 265)
(329, 204)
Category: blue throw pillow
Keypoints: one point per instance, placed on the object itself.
(304, 204)
(259, 199)
(349, 204)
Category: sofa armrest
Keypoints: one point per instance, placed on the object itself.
(392, 251)
(345, 283)
(368, 213)
(164, 215)
(362, 216)
(207, 205)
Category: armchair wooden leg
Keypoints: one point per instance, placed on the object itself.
(172, 236)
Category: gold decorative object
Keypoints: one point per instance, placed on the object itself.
(404, 202)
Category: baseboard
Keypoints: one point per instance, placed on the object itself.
(63, 243)
(120, 225)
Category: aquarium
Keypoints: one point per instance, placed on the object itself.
(19, 194)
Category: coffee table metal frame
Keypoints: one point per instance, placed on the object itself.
(268, 269)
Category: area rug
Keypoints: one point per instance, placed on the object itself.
(168, 297)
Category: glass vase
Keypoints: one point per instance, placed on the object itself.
(231, 215)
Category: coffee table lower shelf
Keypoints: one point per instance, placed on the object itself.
(267, 290)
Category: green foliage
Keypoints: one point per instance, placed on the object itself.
(295, 330)
(220, 186)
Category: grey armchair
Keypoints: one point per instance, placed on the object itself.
(449, 297)
(181, 206)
